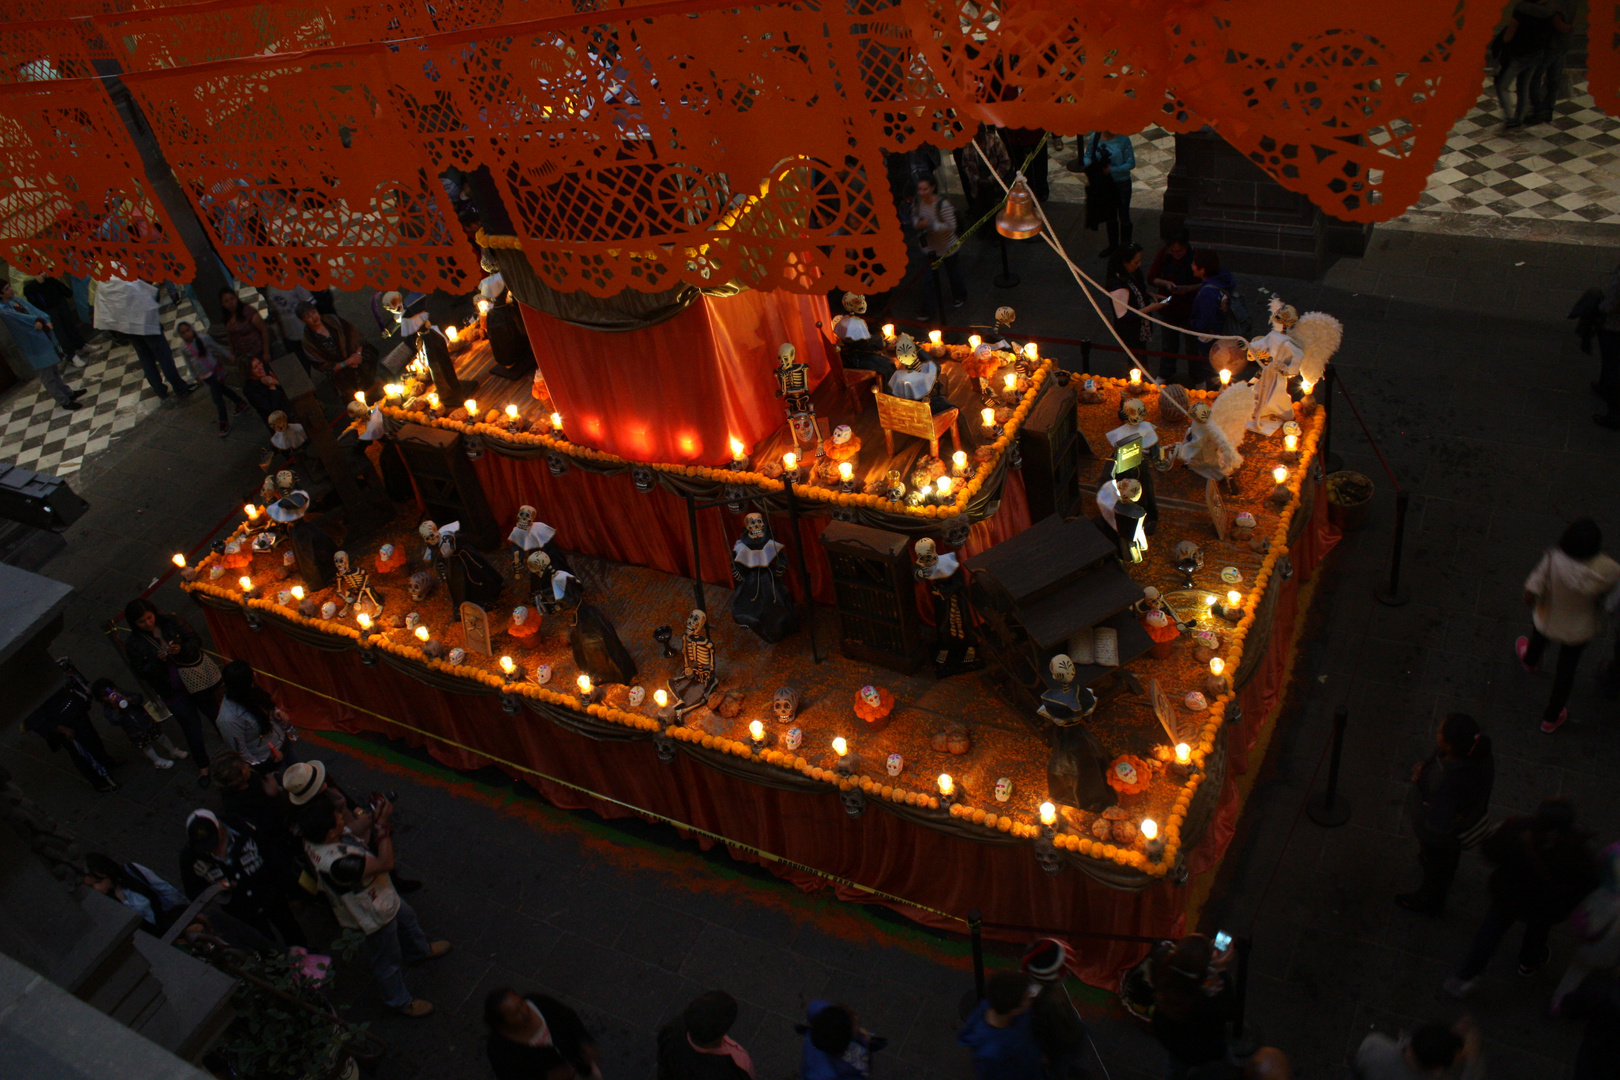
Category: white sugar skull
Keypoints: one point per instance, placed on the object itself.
(696, 623)
(754, 525)
(1291, 427)
(539, 562)
(520, 615)
(340, 561)
(842, 434)
(1062, 669)
(894, 764)
(785, 354)
(284, 597)
(232, 547)
(925, 554)
(413, 619)
(984, 354)
(386, 552)
(1244, 520)
(542, 674)
(870, 695)
(785, 703)
(1003, 789)
(525, 517)
(216, 572)
(289, 558)
(458, 655)
(855, 303)
(328, 610)
(429, 532)
(1195, 701)
(422, 585)
(1134, 411)
(1126, 772)
(638, 694)
(794, 739)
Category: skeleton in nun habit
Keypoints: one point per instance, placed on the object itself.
(761, 601)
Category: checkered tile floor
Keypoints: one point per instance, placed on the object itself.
(37, 434)
(1568, 170)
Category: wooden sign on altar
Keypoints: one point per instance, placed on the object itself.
(1217, 508)
(914, 418)
(475, 629)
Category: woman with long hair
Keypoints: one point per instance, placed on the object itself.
(1129, 290)
(1193, 1001)
(208, 358)
(167, 655)
(245, 329)
(250, 721)
(1451, 791)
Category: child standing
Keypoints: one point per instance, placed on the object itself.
(128, 714)
(208, 357)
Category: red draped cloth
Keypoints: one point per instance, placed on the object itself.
(606, 516)
(947, 874)
(681, 390)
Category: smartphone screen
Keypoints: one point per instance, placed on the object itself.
(1223, 941)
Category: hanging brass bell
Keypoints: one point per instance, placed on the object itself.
(1017, 220)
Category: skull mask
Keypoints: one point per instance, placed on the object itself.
(755, 526)
(785, 355)
(925, 555)
(855, 303)
(539, 562)
(1062, 669)
(1200, 413)
(429, 532)
(842, 434)
(1134, 411)
(869, 695)
(696, 623)
(340, 561)
(785, 703)
(422, 585)
(905, 351)
(520, 615)
(525, 517)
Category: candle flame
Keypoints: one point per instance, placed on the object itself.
(433, 400)
(756, 731)
(974, 340)
(421, 633)
(790, 461)
(364, 620)
(1183, 753)
(1210, 600)
(451, 333)
(1011, 381)
(846, 471)
(471, 405)
(556, 421)
(1305, 385)
(944, 485)
(738, 450)
(1048, 814)
(1217, 666)
(1234, 598)
(946, 784)
(1029, 350)
(1150, 829)
(959, 460)
(251, 511)
(360, 396)
(507, 665)
(989, 417)
(660, 698)
(888, 329)
(246, 583)
(584, 682)
(1290, 443)
(1226, 376)
(1279, 474)
(1136, 376)
(179, 560)
(297, 592)
(935, 337)
(840, 747)
(511, 412)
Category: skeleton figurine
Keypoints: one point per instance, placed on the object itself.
(353, 584)
(555, 591)
(1077, 767)
(914, 377)
(1123, 517)
(1137, 425)
(856, 344)
(429, 532)
(761, 601)
(285, 436)
(955, 642)
(793, 387)
(529, 535)
(698, 679)
(466, 573)
(1209, 449)
(1281, 356)
(1005, 316)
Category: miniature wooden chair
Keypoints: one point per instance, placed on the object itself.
(914, 418)
(855, 380)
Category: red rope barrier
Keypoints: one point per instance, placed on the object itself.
(1338, 378)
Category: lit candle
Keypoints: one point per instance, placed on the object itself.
(1226, 376)
(846, 471)
(483, 306)
(507, 665)
(840, 747)
(246, 583)
(974, 341)
(556, 421)
(1291, 443)
(433, 399)
(1234, 598)
(790, 461)
(421, 633)
(1217, 666)
(451, 333)
(1209, 601)
(989, 416)
(1136, 376)
(511, 412)
(756, 731)
(1048, 814)
(888, 330)
(1010, 382)
(1305, 385)
(1030, 351)
(946, 784)
(660, 698)
(251, 511)
(297, 592)
(738, 450)
(959, 462)
(1183, 753)
(360, 396)
(584, 682)
(944, 485)
(471, 405)
(1280, 474)
(1150, 829)
(364, 620)
(925, 491)
(179, 560)
(935, 337)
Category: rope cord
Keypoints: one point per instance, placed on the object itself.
(639, 810)
(961, 238)
(1338, 377)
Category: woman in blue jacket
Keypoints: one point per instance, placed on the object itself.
(1208, 310)
(31, 330)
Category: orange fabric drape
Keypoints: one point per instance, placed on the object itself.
(681, 390)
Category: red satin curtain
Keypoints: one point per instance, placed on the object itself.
(606, 516)
(681, 390)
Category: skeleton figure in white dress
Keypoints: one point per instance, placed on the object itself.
(1279, 355)
(1211, 446)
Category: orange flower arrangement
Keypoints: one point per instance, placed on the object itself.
(874, 715)
(1129, 774)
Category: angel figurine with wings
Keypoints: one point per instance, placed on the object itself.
(1211, 446)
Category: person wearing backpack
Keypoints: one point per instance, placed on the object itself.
(1210, 310)
(1598, 318)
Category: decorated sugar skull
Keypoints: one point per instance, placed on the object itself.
(520, 615)
(232, 547)
(894, 764)
(542, 674)
(422, 585)
(869, 695)
(1206, 639)
(984, 355)
(1195, 701)
(1134, 410)
(340, 561)
(638, 694)
(1291, 427)
(216, 572)
(1157, 619)
(696, 623)
(458, 655)
(429, 532)
(1200, 413)
(1062, 668)
(905, 351)
(386, 552)
(289, 558)
(926, 554)
(785, 354)
(539, 562)
(1126, 772)
(525, 517)
(842, 434)
(284, 597)
(328, 610)
(413, 619)
(1244, 520)
(785, 703)
(754, 525)
(1003, 790)
(794, 738)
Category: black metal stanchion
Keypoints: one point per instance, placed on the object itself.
(1085, 356)
(1242, 1043)
(1394, 593)
(1332, 809)
(1331, 461)
(1007, 279)
(971, 999)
